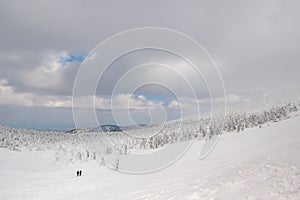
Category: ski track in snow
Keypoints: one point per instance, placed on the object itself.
(259, 163)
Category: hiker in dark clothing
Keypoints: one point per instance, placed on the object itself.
(80, 172)
(77, 173)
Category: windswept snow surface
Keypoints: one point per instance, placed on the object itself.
(258, 163)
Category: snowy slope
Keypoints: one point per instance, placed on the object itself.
(259, 163)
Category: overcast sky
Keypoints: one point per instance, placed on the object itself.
(255, 44)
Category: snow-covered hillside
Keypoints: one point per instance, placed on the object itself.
(84, 146)
(257, 163)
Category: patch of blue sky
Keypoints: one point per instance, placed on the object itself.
(73, 58)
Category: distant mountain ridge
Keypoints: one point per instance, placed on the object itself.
(109, 128)
(102, 128)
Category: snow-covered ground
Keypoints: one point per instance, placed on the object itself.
(258, 163)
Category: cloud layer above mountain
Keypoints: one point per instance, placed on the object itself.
(254, 43)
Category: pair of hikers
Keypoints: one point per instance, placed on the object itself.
(79, 172)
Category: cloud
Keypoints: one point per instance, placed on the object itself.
(249, 40)
(121, 101)
(173, 104)
(117, 102)
(9, 97)
(254, 43)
